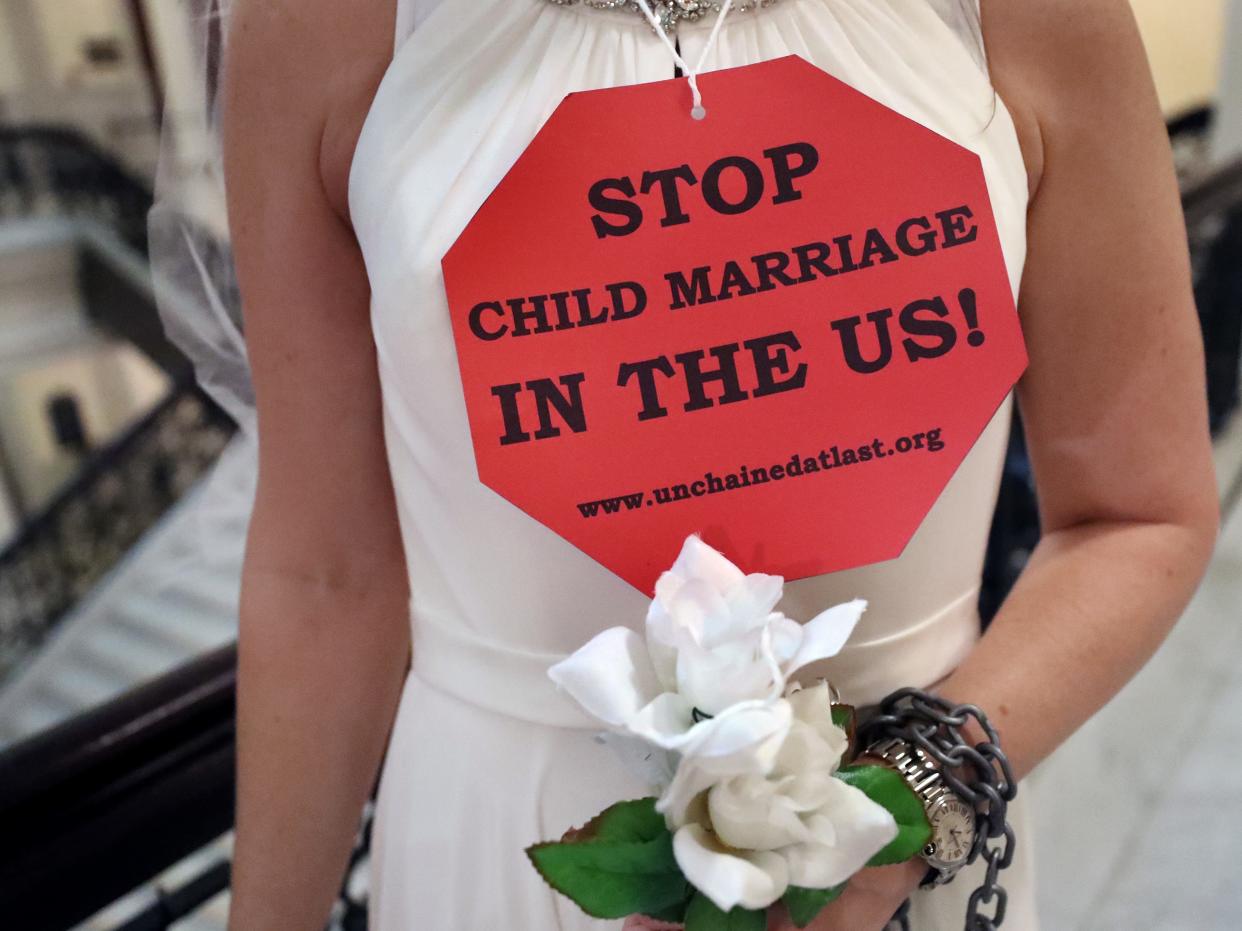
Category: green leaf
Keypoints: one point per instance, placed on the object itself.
(804, 904)
(703, 915)
(676, 914)
(886, 787)
(620, 863)
(843, 716)
(635, 820)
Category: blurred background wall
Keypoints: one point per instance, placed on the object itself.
(1185, 40)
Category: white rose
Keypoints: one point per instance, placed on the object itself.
(706, 677)
(742, 839)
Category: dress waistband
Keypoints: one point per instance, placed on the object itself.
(918, 656)
(514, 682)
(499, 678)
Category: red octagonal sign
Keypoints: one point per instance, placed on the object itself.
(782, 326)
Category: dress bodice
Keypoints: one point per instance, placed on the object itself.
(470, 83)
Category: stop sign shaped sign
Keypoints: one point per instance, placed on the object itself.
(782, 326)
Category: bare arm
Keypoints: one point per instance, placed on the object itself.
(1113, 401)
(323, 642)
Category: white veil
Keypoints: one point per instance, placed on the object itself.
(196, 295)
(191, 261)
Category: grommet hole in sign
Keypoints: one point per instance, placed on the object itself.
(697, 110)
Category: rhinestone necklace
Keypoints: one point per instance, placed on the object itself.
(670, 13)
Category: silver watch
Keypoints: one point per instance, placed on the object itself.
(952, 820)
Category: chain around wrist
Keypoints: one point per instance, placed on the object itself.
(979, 775)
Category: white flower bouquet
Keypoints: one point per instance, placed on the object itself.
(757, 805)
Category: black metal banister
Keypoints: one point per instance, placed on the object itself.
(60, 161)
(104, 802)
(63, 549)
(61, 552)
(101, 462)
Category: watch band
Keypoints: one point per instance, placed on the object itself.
(922, 775)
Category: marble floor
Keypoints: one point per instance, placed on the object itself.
(1139, 824)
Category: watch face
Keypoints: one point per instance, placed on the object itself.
(953, 831)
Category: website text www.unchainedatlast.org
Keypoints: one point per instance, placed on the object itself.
(795, 465)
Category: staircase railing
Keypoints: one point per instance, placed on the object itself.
(61, 553)
(100, 804)
(96, 806)
(58, 170)
(123, 488)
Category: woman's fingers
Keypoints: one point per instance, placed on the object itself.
(640, 923)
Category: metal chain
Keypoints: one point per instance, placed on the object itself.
(935, 724)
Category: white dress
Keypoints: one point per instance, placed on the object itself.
(486, 756)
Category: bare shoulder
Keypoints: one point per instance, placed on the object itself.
(300, 77)
(1068, 68)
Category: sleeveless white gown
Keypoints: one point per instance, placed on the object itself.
(486, 757)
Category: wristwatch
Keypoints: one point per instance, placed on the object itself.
(952, 820)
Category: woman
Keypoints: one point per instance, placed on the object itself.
(368, 517)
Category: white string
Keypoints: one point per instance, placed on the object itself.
(697, 110)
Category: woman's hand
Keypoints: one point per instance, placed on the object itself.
(867, 904)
